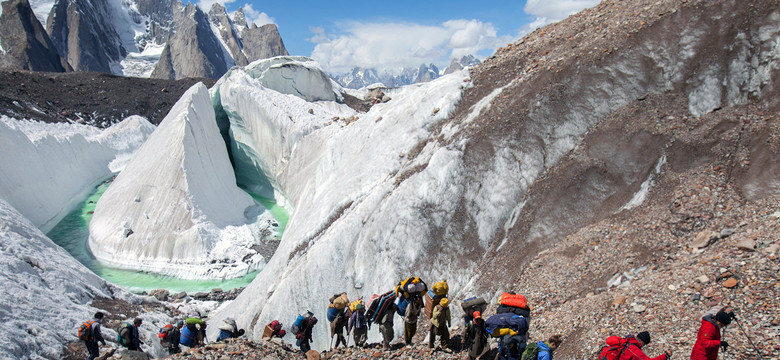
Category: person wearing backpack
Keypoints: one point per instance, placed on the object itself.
(440, 322)
(542, 350)
(337, 327)
(305, 335)
(193, 334)
(229, 330)
(475, 338)
(128, 335)
(90, 333)
(633, 348)
(708, 339)
(170, 337)
(386, 327)
(358, 325)
(410, 318)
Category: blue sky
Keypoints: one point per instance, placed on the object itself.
(391, 34)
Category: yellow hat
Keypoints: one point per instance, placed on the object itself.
(444, 302)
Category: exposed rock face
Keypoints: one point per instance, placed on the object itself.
(227, 31)
(83, 33)
(262, 42)
(24, 43)
(193, 50)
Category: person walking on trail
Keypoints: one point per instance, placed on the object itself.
(633, 349)
(91, 334)
(130, 337)
(386, 327)
(358, 325)
(708, 339)
(171, 339)
(410, 318)
(543, 350)
(337, 328)
(305, 335)
(440, 322)
(475, 338)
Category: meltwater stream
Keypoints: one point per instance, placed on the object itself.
(73, 231)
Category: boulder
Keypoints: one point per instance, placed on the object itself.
(704, 239)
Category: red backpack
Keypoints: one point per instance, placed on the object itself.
(614, 348)
(163, 333)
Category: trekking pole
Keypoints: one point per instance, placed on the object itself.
(748, 337)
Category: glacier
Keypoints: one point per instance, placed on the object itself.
(181, 214)
(48, 168)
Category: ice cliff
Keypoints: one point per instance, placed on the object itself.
(47, 168)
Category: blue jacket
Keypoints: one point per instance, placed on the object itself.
(544, 351)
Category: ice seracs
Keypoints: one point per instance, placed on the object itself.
(176, 209)
(47, 168)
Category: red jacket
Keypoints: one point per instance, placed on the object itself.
(633, 352)
(707, 341)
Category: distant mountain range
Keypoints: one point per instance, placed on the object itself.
(361, 77)
(146, 38)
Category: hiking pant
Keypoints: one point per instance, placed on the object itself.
(387, 333)
(409, 330)
(92, 349)
(340, 339)
(361, 336)
(443, 333)
(174, 349)
(303, 344)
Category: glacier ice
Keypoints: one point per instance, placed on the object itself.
(180, 214)
(47, 168)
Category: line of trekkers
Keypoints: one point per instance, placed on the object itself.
(409, 299)
(509, 325)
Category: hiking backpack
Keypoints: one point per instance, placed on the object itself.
(120, 331)
(531, 352)
(164, 334)
(85, 331)
(614, 348)
(299, 322)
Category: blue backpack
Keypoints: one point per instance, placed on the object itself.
(507, 321)
(402, 304)
(187, 337)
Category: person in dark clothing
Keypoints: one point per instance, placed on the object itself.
(129, 334)
(411, 317)
(305, 336)
(476, 338)
(337, 328)
(708, 339)
(386, 327)
(171, 340)
(358, 325)
(95, 336)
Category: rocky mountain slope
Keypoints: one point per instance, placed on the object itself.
(130, 38)
(587, 123)
(620, 168)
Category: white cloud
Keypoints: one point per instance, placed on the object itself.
(554, 10)
(257, 17)
(395, 45)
